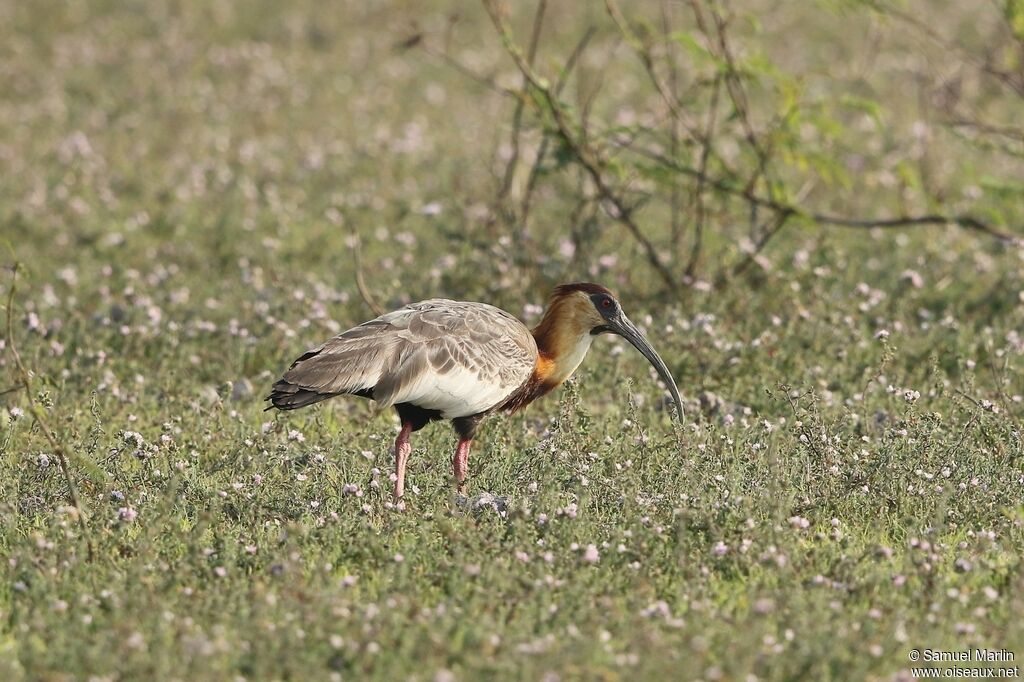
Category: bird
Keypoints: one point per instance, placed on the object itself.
(461, 361)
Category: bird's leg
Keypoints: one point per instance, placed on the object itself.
(460, 462)
(402, 450)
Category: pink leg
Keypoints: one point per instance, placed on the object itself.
(402, 450)
(460, 462)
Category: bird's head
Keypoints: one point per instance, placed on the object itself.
(575, 315)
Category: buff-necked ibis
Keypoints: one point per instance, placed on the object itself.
(441, 359)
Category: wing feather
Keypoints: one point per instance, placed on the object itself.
(460, 358)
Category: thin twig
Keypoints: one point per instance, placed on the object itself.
(485, 81)
(364, 291)
(676, 216)
(647, 60)
(59, 451)
(587, 156)
(776, 225)
(1010, 133)
(12, 389)
(699, 202)
(542, 149)
(1008, 79)
(517, 115)
(738, 97)
(965, 221)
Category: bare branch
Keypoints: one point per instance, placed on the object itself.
(965, 221)
(364, 291)
(673, 87)
(542, 149)
(517, 115)
(450, 61)
(647, 59)
(698, 192)
(773, 228)
(587, 156)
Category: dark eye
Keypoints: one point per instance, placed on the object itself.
(606, 303)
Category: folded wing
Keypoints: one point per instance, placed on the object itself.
(456, 357)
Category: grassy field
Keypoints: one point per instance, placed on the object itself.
(182, 183)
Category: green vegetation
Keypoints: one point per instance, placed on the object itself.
(185, 184)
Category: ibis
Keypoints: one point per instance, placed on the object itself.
(460, 361)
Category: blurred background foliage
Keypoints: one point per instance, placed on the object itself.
(730, 133)
(814, 208)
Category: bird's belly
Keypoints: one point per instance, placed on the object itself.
(457, 393)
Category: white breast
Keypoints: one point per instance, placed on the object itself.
(456, 393)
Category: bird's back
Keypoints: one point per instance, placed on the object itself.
(456, 357)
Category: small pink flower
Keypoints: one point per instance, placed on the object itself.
(799, 522)
(591, 555)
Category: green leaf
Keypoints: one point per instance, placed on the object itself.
(1013, 10)
(865, 105)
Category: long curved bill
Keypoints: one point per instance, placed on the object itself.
(627, 330)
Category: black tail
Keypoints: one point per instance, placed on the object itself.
(286, 396)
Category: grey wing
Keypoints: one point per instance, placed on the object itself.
(456, 357)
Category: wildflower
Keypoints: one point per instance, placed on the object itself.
(989, 406)
(913, 278)
(591, 555)
(127, 514)
(799, 522)
(134, 437)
